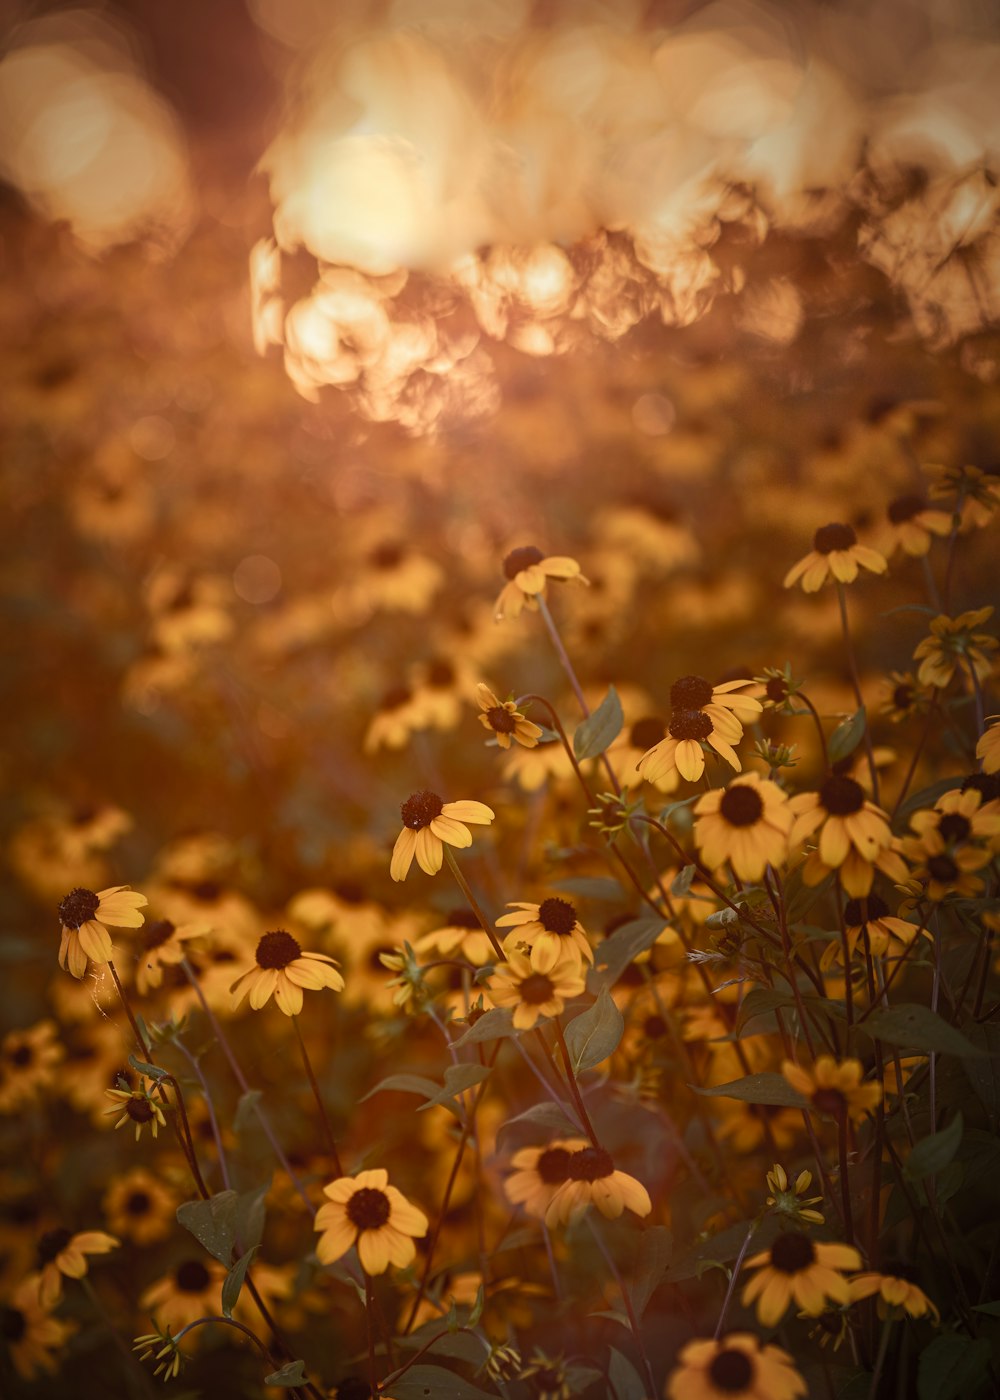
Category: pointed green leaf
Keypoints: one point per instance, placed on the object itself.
(935, 1152)
(457, 1078)
(623, 1379)
(246, 1109)
(656, 1245)
(595, 1034)
(495, 1024)
(767, 1088)
(847, 736)
(435, 1383)
(953, 1367)
(681, 884)
(213, 1223)
(291, 1374)
(600, 729)
(615, 954)
(232, 1286)
(916, 1027)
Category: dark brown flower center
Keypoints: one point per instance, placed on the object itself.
(277, 949)
(522, 558)
(368, 1208)
(78, 906)
(536, 989)
(832, 537)
(654, 1028)
(13, 1324)
(731, 1371)
(942, 868)
(395, 698)
(192, 1276)
(590, 1164)
(986, 784)
(904, 508)
(140, 1110)
(420, 810)
(690, 724)
(22, 1057)
(902, 696)
(557, 916)
(741, 805)
(954, 827)
(690, 693)
(207, 891)
(440, 673)
(841, 795)
(647, 732)
(388, 555)
(501, 719)
(777, 689)
(53, 1242)
(864, 911)
(138, 1203)
(829, 1101)
(157, 933)
(792, 1252)
(553, 1166)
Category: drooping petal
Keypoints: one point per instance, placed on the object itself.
(373, 1251)
(335, 1241)
(468, 811)
(452, 831)
(95, 941)
(429, 851)
(402, 853)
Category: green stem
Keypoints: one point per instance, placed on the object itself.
(466, 889)
(732, 1281)
(331, 1141)
(574, 1088)
(633, 1321)
(856, 683)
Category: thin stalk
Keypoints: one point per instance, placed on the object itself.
(370, 1327)
(571, 1080)
(210, 1106)
(845, 1185)
(466, 889)
(732, 1281)
(633, 1321)
(856, 683)
(567, 666)
(331, 1141)
(800, 695)
(129, 1357)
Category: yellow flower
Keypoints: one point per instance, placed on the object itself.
(912, 522)
(28, 1060)
(552, 925)
(749, 825)
(461, 933)
(30, 1332)
(852, 832)
(797, 1269)
(191, 1290)
(427, 822)
(887, 936)
(593, 1179)
(988, 747)
(505, 720)
(952, 640)
(835, 554)
(893, 1293)
(282, 971)
(528, 571)
(84, 917)
(700, 713)
(537, 984)
(364, 1210)
(61, 1253)
(793, 1200)
(163, 945)
(632, 745)
(137, 1106)
(532, 768)
(832, 1088)
(539, 1173)
(140, 1206)
(903, 697)
(735, 1367)
(395, 720)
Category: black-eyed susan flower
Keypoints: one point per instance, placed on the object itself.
(977, 488)
(85, 918)
(140, 1206)
(61, 1254)
(913, 523)
(282, 970)
(789, 1197)
(903, 697)
(364, 1210)
(635, 742)
(954, 642)
(505, 721)
(162, 944)
(946, 873)
(531, 769)
(539, 1172)
(749, 824)
(892, 1293)
(527, 571)
(958, 818)
(988, 745)
(461, 933)
(835, 554)
(700, 713)
(535, 985)
(592, 1179)
(551, 925)
(834, 1089)
(27, 1328)
(888, 936)
(192, 1289)
(852, 833)
(798, 1270)
(746, 1125)
(28, 1061)
(735, 1367)
(427, 823)
(396, 718)
(138, 1107)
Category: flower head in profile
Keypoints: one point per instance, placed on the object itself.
(955, 643)
(505, 721)
(798, 1270)
(61, 1254)
(888, 936)
(913, 523)
(527, 572)
(281, 970)
(161, 1346)
(700, 713)
(789, 1197)
(834, 1089)
(553, 924)
(84, 919)
(592, 1179)
(163, 944)
(427, 823)
(903, 697)
(851, 833)
(955, 838)
(364, 1210)
(835, 554)
(988, 746)
(747, 824)
(31, 1333)
(735, 1367)
(537, 984)
(892, 1293)
(192, 1289)
(539, 1172)
(138, 1107)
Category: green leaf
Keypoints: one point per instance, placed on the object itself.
(952, 1367)
(615, 954)
(435, 1383)
(681, 883)
(540, 1115)
(246, 1109)
(150, 1071)
(984, 1074)
(492, 1025)
(591, 887)
(476, 1311)
(405, 1084)
(250, 1215)
(213, 1223)
(291, 1374)
(656, 1246)
(600, 729)
(847, 736)
(457, 1078)
(915, 1027)
(935, 1152)
(721, 1249)
(760, 1002)
(990, 1309)
(233, 1284)
(624, 1379)
(767, 1088)
(595, 1034)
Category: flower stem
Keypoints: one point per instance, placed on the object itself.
(633, 1321)
(370, 1326)
(567, 666)
(573, 1086)
(130, 1359)
(732, 1280)
(856, 683)
(331, 1142)
(466, 889)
